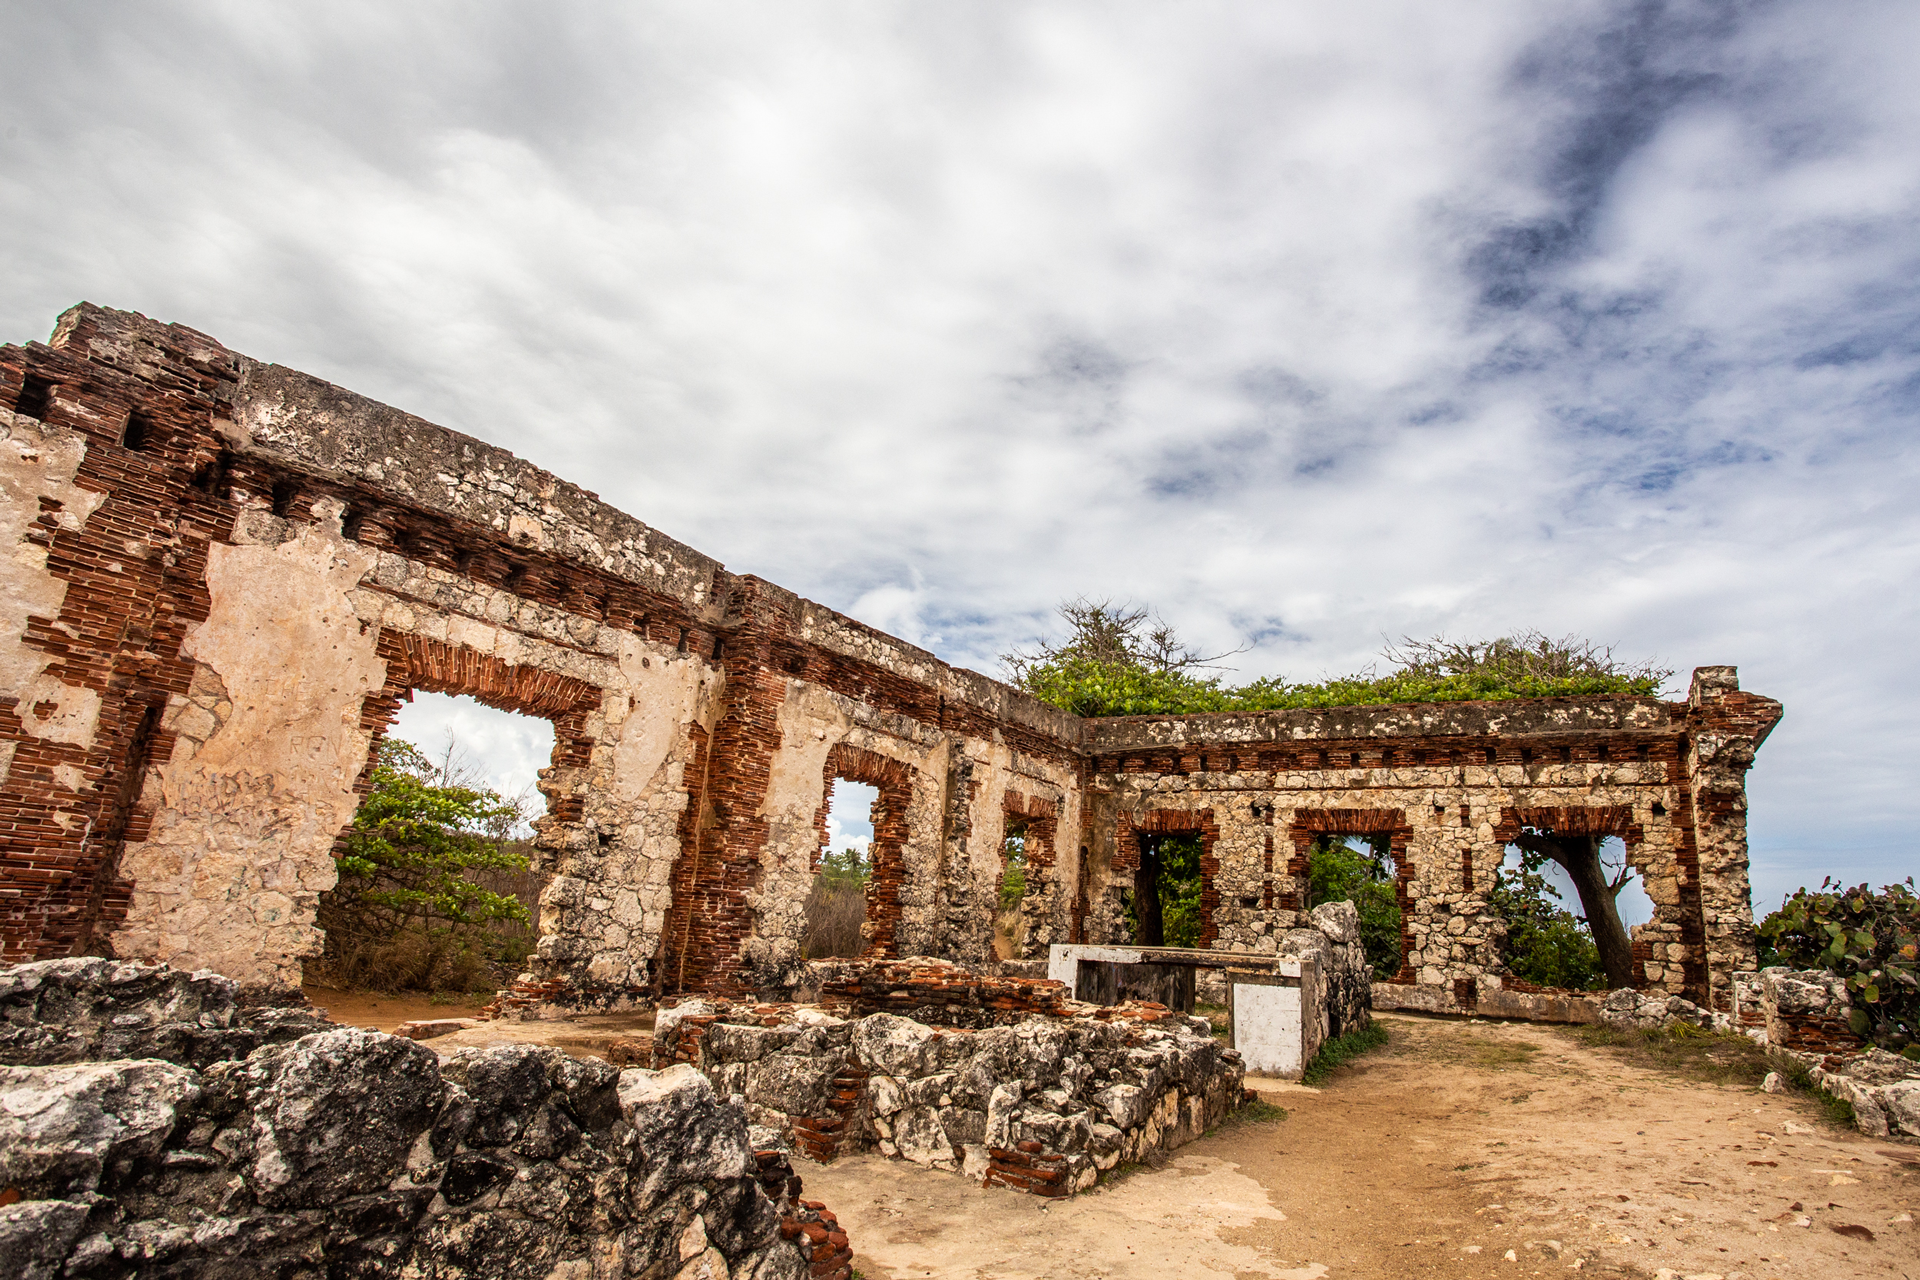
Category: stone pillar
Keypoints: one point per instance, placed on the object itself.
(1725, 728)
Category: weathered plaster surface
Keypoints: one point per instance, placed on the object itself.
(261, 779)
(37, 468)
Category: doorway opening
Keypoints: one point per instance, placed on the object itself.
(1361, 869)
(437, 892)
(1009, 922)
(836, 906)
(1569, 903)
(1164, 908)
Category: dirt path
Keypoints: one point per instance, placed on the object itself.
(582, 1037)
(1437, 1156)
(378, 1012)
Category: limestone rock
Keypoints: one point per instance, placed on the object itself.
(350, 1152)
(63, 1127)
(37, 1236)
(894, 1045)
(1626, 1007)
(334, 1114)
(88, 1009)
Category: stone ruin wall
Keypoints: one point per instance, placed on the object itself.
(225, 576)
(1451, 784)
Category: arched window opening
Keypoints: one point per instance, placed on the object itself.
(437, 890)
(836, 906)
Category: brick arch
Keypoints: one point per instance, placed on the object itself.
(1308, 824)
(416, 662)
(1126, 853)
(893, 779)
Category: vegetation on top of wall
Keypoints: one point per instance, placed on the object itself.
(1122, 661)
(1870, 939)
(427, 878)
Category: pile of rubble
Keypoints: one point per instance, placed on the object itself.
(1039, 1101)
(1806, 1018)
(149, 1126)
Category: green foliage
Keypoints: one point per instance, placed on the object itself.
(1180, 885)
(415, 839)
(1341, 1050)
(1124, 662)
(1545, 944)
(407, 868)
(1338, 872)
(1870, 939)
(845, 871)
(1013, 874)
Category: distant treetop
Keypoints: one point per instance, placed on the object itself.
(1126, 661)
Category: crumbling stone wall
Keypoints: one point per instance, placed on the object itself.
(1006, 1081)
(226, 1148)
(227, 577)
(1450, 785)
(231, 576)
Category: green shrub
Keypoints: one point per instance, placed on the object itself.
(1870, 939)
(1338, 872)
(428, 875)
(1546, 944)
(1125, 662)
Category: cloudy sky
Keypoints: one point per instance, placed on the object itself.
(1308, 324)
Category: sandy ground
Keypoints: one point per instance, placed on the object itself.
(1438, 1156)
(583, 1037)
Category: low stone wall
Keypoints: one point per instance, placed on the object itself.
(1041, 1105)
(1807, 1011)
(1344, 1000)
(1803, 1016)
(223, 1150)
(936, 992)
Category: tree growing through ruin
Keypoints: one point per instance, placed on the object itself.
(1598, 883)
(412, 908)
(1163, 908)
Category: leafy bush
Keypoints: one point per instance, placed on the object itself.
(1870, 939)
(413, 908)
(1125, 662)
(1546, 944)
(1338, 872)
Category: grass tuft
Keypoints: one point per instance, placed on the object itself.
(1717, 1057)
(1341, 1050)
(1799, 1078)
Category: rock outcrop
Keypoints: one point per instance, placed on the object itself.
(347, 1152)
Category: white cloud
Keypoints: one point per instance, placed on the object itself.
(1309, 323)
